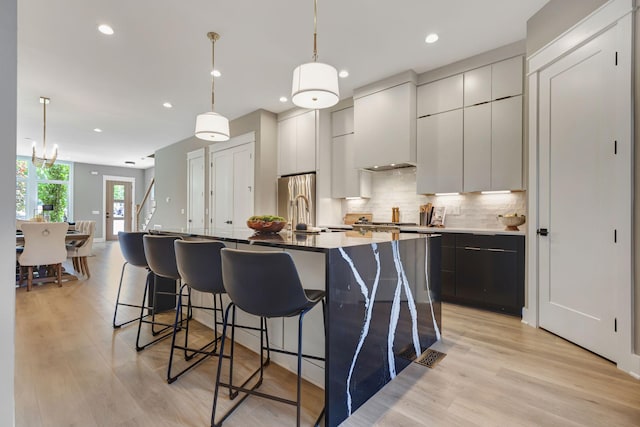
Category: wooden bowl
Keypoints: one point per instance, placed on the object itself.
(266, 226)
(512, 222)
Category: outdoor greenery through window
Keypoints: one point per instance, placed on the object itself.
(43, 192)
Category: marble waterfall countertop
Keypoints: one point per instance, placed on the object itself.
(382, 304)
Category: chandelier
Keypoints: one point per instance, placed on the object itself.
(315, 85)
(212, 126)
(44, 162)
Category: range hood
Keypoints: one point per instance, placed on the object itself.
(390, 167)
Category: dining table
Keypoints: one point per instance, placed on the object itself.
(45, 275)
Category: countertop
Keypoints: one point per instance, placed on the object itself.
(316, 242)
(423, 229)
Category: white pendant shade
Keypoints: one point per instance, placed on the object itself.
(315, 85)
(212, 126)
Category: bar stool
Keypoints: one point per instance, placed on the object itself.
(198, 264)
(133, 253)
(160, 254)
(265, 284)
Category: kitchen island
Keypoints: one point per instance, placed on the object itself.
(383, 307)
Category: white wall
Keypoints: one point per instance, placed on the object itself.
(8, 89)
(398, 188)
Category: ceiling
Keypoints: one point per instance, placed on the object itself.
(160, 53)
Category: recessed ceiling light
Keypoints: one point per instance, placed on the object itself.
(216, 73)
(167, 105)
(283, 99)
(343, 74)
(97, 130)
(105, 29)
(130, 163)
(431, 38)
(375, 167)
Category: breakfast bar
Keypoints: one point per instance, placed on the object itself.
(383, 306)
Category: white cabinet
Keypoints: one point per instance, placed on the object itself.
(477, 86)
(493, 145)
(506, 78)
(347, 180)
(342, 122)
(506, 144)
(477, 147)
(440, 153)
(385, 126)
(439, 96)
(297, 144)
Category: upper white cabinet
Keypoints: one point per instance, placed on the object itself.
(440, 145)
(346, 179)
(297, 144)
(477, 148)
(441, 95)
(477, 86)
(506, 144)
(385, 123)
(506, 78)
(342, 122)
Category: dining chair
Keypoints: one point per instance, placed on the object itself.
(79, 253)
(44, 244)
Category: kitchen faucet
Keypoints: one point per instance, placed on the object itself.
(295, 204)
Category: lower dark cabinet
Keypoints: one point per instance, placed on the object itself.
(485, 271)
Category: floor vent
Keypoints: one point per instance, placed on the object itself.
(430, 358)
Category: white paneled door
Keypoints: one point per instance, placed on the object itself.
(578, 190)
(232, 183)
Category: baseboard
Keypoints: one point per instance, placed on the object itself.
(631, 365)
(528, 318)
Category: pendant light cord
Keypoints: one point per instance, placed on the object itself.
(44, 127)
(213, 78)
(315, 30)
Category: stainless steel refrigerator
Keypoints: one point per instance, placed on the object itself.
(297, 198)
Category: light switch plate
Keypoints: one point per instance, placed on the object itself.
(95, 212)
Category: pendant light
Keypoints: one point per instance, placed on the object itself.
(43, 162)
(212, 126)
(315, 85)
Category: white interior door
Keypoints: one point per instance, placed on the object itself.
(242, 185)
(232, 186)
(195, 190)
(578, 191)
(222, 191)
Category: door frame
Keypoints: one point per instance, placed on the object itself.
(615, 13)
(106, 178)
(193, 155)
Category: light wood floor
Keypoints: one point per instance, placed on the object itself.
(73, 369)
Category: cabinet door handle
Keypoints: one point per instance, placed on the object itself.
(228, 222)
(471, 248)
(542, 232)
(496, 250)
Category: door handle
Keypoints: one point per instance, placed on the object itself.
(228, 222)
(542, 232)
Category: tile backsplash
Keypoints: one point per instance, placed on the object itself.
(398, 188)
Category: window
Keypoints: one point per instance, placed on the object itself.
(43, 192)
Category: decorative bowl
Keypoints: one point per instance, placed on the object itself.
(266, 226)
(511, 221)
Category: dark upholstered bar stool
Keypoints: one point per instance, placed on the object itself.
(133, 253)
(265, 284)
(199, 266)
(161, 257)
